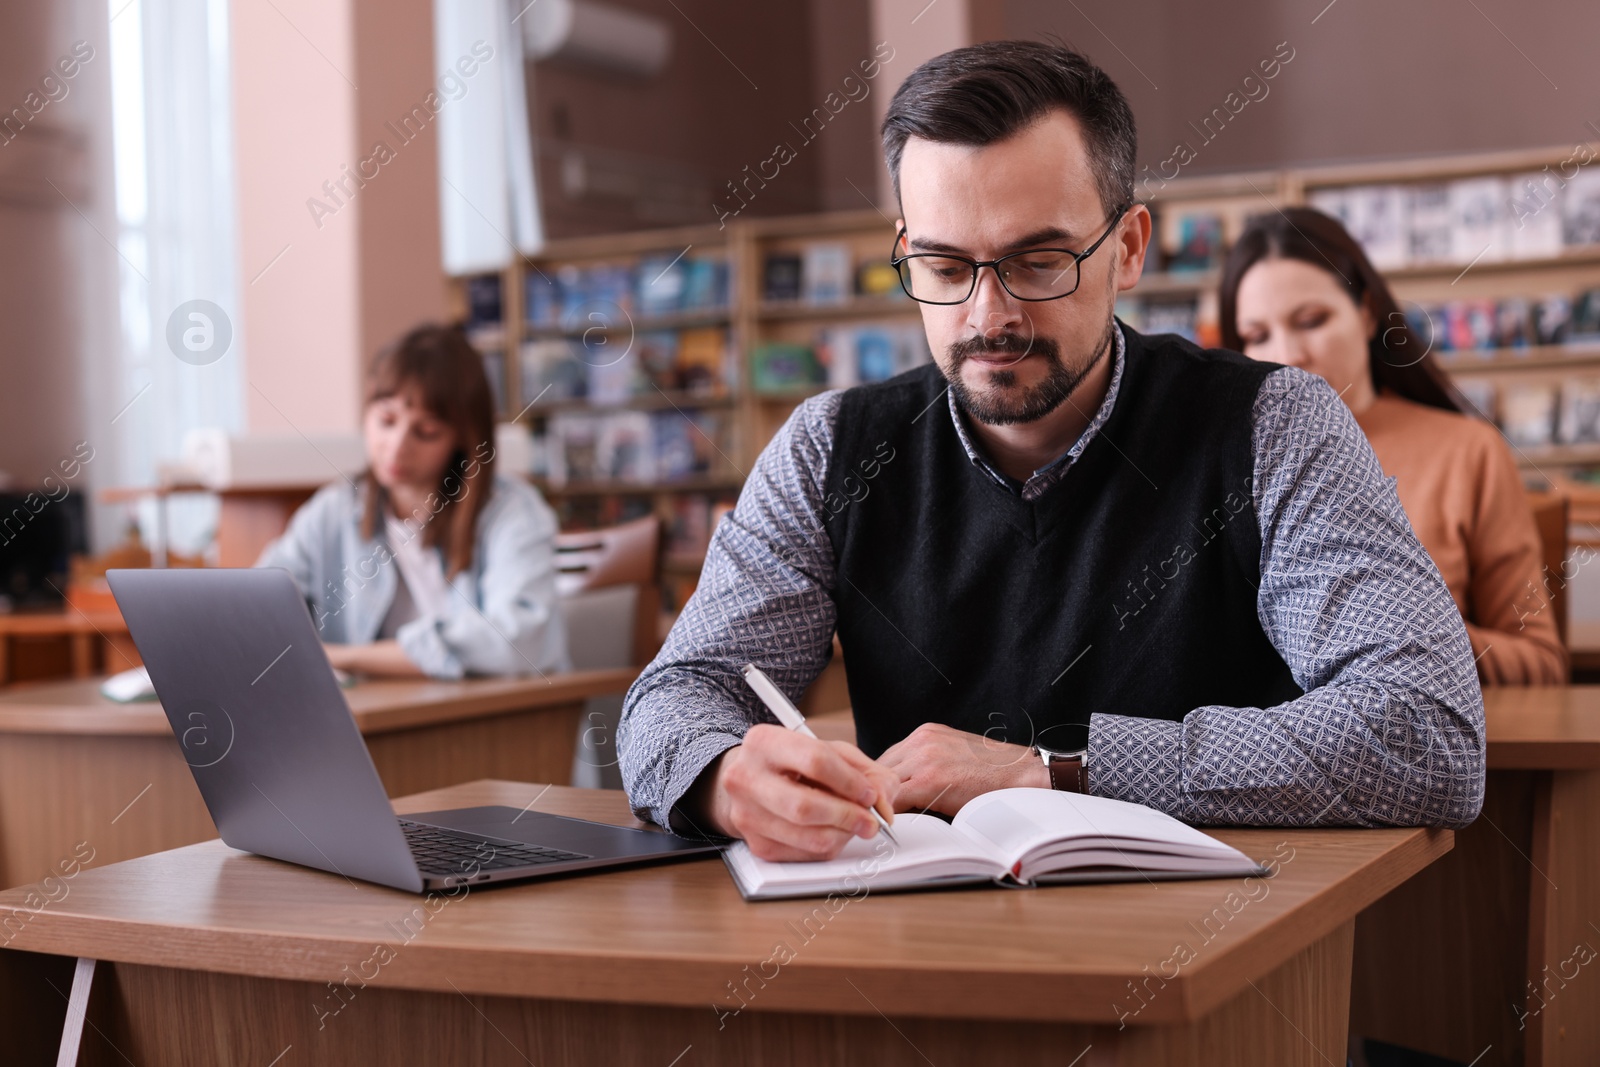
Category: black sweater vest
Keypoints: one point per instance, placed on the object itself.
(1128, 587)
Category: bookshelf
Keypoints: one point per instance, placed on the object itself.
(806, 304)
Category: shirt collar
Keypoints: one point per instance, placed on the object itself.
(1051, 472)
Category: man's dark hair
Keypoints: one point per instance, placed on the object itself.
(984, 93)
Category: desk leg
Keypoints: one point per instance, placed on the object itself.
(77, 1013)
(1293, 1017)
(1562, 996)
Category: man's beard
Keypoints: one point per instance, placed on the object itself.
(1004, 404)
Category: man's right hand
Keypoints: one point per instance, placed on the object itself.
(793, 797)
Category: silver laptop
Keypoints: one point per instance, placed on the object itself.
(261, 721)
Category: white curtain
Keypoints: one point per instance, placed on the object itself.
(172, 152)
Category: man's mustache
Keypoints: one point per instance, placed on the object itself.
(1003, 344)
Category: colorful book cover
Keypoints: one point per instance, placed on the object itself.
(876, 358)
(662, 283)
(702, 360)
(1199, 242)
(826, 274)
(781, 366)
(1515, 322)
(624, 447)
(658, 356)
(1552, 317)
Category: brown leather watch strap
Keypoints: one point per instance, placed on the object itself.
(1068, 773)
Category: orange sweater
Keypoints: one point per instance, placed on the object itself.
(1461, 490)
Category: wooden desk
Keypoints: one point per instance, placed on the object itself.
(1479, 956)
(226, 958)
(75, 766)
(84, 633)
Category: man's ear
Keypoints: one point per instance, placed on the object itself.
(1133, 239)
(899, 224)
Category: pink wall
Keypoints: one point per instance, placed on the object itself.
(364, 266)
(44, 245)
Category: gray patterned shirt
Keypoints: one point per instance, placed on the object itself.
(1389, 730)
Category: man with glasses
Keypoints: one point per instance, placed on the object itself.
(1065, 555)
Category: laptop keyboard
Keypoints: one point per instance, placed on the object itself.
(444, 852)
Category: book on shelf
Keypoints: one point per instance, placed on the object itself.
(1533, 228)
(614, 378)
(1475, 219)
(1199, 242)
(663, 280)
(1512, 323)
(632, 447)
(1431, 238)
(1017, 837)
(1579, 422)
(576, 298)
(784, 366)
(1478, 209)
(826, 273)
(1552, 317)
(781, 274)
(705, 362)
(1528, 414)
(1378, 221)
(551, 372)
(877, 277)
(483, 302)
(624, 448)
(1584, 328)
(1580, 209)
(855, 355)
(613, 370)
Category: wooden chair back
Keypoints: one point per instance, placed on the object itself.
(1551, 516)
(627, 554)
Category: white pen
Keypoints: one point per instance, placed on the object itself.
(790, 717)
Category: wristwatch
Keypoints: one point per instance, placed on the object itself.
(1068, 770)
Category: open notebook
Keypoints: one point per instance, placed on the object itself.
(1011, 837)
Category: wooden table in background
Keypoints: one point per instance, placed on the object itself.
(83, 631)
(1494, 952)
(76, 767)
(218, 957)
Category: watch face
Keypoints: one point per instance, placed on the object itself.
(1064, 737)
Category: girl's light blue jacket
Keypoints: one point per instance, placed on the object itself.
(505, 618)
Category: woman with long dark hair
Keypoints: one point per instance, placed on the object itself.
(429, 563)
(1298, 289)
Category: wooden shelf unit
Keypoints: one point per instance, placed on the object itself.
(751, 319)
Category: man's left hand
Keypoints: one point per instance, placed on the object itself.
(941, 768)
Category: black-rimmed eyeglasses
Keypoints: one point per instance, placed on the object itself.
(1036, 274)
